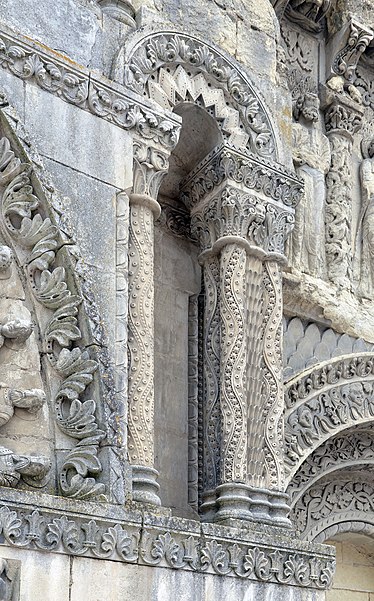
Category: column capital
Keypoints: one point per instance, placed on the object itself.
(233, 216)
(150, 166)
(343, 115)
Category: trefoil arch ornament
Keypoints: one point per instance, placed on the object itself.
(172, 67)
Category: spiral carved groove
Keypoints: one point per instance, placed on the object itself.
(140, 341)
(233, 364)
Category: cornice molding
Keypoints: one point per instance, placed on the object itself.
(152, 540)
(76, 85)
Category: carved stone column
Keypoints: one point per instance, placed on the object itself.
(242, 235)
(343, 118)
(342, 103)
(150, 165)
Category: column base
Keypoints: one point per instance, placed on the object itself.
(144, 486)
(236, 501)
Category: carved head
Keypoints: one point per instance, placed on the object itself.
(371, 149)
(17, 329)
(6, 256)
(310, 107)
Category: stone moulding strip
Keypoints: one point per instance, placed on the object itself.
(62, 77)
(167, 542)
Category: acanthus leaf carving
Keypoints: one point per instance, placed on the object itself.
(38, 240)
(161, 66)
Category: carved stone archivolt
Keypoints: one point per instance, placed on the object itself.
(172, 67)
(325, 401)
(347, 497)
(35, 241)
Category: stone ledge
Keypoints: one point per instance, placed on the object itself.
(41, 522)
(59, 75)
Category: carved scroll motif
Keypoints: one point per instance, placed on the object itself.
(38, 239)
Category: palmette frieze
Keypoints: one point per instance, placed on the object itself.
(54, 73)
(188, 548)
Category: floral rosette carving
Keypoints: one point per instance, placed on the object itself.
(37, 240)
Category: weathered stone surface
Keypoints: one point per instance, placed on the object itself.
(141, 353)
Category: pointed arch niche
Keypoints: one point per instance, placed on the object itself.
(211, 215)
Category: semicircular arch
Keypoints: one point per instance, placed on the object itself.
(321, 402)
(171, 67)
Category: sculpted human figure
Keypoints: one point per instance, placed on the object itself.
(306, 247)
(14, 332)
(6, 257)
(367, 220)
(314, 10)
(13, 467)
(31, 400)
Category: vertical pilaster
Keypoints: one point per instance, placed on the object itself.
(343, 118)
(149, 167)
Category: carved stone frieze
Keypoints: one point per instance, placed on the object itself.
(203, 550)
(171, 66)
(85, 90)
(36, 240)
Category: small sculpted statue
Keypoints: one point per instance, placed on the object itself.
(31, 400)
(313, 10)
(6, 257)
(15, 332)
(367, 219)
(33, 469)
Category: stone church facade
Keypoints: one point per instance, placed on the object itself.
(187, 300)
